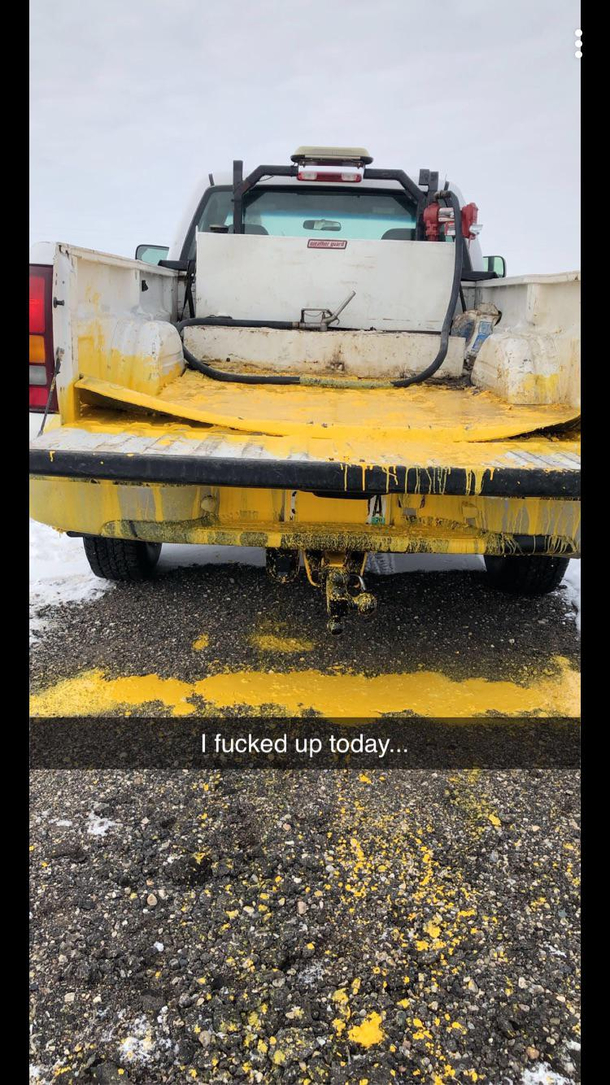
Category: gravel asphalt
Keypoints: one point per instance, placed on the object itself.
(338, 926)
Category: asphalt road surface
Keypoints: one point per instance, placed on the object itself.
(341, 926)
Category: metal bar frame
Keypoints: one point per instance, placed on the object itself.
(242, 185)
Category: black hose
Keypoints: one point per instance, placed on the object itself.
(228, 322)
(451, 198)
(320, 382)
(220, 374)
(234, 378)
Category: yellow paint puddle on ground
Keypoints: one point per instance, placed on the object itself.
(338, 695)
(94, 694)
(271, 642)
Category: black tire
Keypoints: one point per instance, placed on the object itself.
(121, 559)
(525, 575)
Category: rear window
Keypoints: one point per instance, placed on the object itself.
(321, 212)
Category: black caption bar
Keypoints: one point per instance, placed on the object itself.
(493, 742)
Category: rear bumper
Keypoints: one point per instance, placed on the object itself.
(332, 478)
(165, 482)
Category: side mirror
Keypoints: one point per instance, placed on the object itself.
(496, 264)
(151, 254)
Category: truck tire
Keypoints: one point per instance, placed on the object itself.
(121, 559)
(525, 574)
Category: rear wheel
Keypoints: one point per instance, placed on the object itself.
(525, 574)
(121, 559)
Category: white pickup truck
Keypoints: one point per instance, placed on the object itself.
(323, 365)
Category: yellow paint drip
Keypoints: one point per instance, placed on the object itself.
(426, 693)
(369, 1032)
(201, 642)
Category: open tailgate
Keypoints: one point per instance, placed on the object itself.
(113, 445)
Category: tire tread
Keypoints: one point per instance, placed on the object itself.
(120, 559)
(525, 575)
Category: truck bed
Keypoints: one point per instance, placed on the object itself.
(390, 416)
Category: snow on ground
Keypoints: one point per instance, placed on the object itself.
(97, 826)
(541, 1074)
(59, 571)
(571, 587)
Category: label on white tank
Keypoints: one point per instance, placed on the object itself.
(318, 243)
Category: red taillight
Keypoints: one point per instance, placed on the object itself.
(38, 398)
(330, 173)
(41, 338)
(37, 303)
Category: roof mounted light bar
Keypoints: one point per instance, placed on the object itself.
(333, 156)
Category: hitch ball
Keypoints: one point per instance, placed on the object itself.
(341, 598)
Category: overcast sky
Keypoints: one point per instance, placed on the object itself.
(132, 101)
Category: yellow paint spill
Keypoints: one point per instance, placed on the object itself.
(425, 693)
(269, 642)
(93, 694)
(463, 414)
(369, 1032)
(201, 642)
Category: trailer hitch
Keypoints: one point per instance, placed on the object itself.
(340, 575)
(337, 573)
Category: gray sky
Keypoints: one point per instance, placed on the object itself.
(132, 101)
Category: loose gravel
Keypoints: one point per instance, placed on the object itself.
(344, 927)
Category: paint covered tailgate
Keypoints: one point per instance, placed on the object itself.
(113, 445)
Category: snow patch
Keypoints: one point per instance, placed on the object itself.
(98, 826)
(570, 585)
(541, 1074)
(312, 973)
(59, 573)
(141, 1045)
